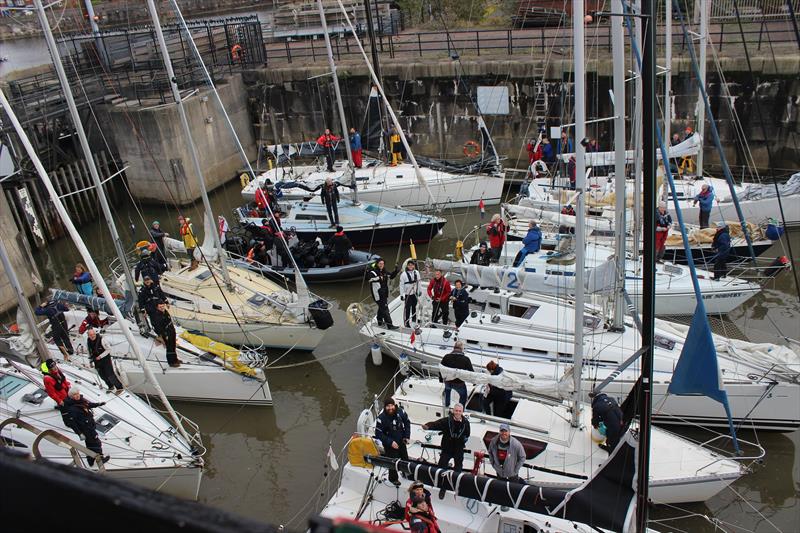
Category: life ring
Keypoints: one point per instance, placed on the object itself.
(472, 149)
(142, 244)
(236, 52)
(244, 179)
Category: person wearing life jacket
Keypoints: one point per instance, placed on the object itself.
(534, 149)
(148, 266)
(706, 200)
(497, 399)
(258, 254)
(459, 297)
(327, 141)
(439, 290)
(92, 320)
(59, 329)
(418, 492)
(237, 53)
(379, 282)
(55, 383)
(532, 242)
(157, 236)
(606, 411)
(99, 350)
(721, 245)
(222, 229)
(393, 429)
(262, 198)
(165, 328)
(341, 246)
(420, 519)
(80, 411)
(82, 280)
(149, 295)
(410, 293)
(189, 241)
(355, 147)
(482, 256)
(455, 433)
(330, 199)
(663, 223)
(395, 146)
(497, 236)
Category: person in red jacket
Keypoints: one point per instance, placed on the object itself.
(497, 236)
(439, 290)
(57, 387)
(534, 149)
(92, 320)
(326, 141)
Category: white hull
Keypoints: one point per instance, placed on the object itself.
(394, 186)
(753, 211)
(180, 482)
(284, 336)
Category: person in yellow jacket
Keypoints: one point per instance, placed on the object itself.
(395, 146)
(189, 242)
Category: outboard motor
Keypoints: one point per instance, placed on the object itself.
(778, 264)
(320, 314)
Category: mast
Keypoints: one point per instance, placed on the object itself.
(24, 305)
(618, 51)
(90, 264)
(667, 76)
(580, 187)
(342, 118)
(176, 94)
(648, 263)
(705, 6)
(637, 139)
(87, 152)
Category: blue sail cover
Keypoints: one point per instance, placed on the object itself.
(697, 372)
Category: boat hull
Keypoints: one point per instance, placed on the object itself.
(284, 336)
(202, 386)
(356, 269)
(180, 482)
(378, 236)
(753, 210)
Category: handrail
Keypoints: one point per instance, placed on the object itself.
(56, 438)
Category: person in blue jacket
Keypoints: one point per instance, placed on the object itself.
(706, 200)
(532, 242)
(722, 250)
(82, 280)
(393, 429)
(459, 297)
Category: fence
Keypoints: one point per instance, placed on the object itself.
(753, 9)
(514, 42)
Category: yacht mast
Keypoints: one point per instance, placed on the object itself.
(87, 152)
(618, 51)
(24, 305)
(176, 94)
(90, 264)
(637, 137)
(701, 108)
(648, 263)
(580, 187)
(342, 118)
(667, 77)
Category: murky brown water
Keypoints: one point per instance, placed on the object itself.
(269, 463)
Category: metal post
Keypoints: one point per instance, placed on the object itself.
(705, 7)
(87, 152)
(176, 94)
(618, 54)
(340, 106)
(98, 40)
(667, 76)
(371, 35)
(637, 142)
(648, 270)
(580, 186)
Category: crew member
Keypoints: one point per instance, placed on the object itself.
(355, 147)
(497, 236)
(482, 256)
(148, 266)
(99, 350)
(439, 292)
(341, 246)
(57, 387)
(420, 519)
(663, 223)
(330, 198)
(460, 299)
(506, 455)
(496, 400)
(189, 241)
(456, 359)
(418, 492)
(721, 245)
(149, 296)
(379, 281)
(92, 320)
(455, 433)
(607, 412)
(164, 328)
(82, 280)
(54, 311)
(393, 429)
(258, 254)
(706, 200)
(395, 146)
(532, 242)
(326, 141)
(410, 293)
(79, 410)
(157, 236)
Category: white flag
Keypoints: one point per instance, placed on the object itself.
(332, 458)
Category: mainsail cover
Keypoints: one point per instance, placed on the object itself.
(514, 382)
(687, 148)
(93, 302)
(598, 280)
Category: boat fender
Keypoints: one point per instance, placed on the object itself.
(365, 422)
(377, 355)
(320, 314)
(479, 455)
(354, 313)
(244, 179)
(359, 447)
(774, 232)
(404, 364)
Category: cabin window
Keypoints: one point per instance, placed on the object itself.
(202, 276)
(664, 342)
(494, 305)
(503, 346)
(590, 322)
(522, 311)
(106, 423)
(9, 385)
(535, 351)
(471, 341)
(373, 209)
(310, 217)
(257, 300)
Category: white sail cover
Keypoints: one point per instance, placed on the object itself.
(515, 382)
(689, 147)
(599, 279)
(592, 223)
(767, 190)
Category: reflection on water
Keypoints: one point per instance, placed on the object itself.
(267, 463)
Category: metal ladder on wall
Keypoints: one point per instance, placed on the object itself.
(539, 94)
(56, 438)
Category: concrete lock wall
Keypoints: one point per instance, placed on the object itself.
(434, 106)
(26, 272)
(157, 153)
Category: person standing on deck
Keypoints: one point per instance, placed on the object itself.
(722, 250)
(393, 429)
(355, 147)
(54, 311)
(455, 433)
(79, 409)
(326, 141)
(82, 280)
(410, 293)
(706, 200)
(395, 146)
(497, 236)
(330, 198)
(460, 299)
(99, 350)
(506, 455)
(189, 241)
(663, 223)
(458, 360)
(157, 236)
(439, 292)
(164, 328)
(379, 282)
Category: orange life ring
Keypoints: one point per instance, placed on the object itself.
(236, 52)
(472, 149)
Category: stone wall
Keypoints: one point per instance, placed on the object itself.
(26, 272)
(435, 103)
(150, 140)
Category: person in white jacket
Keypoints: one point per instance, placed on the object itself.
(410, 292)
(100, 356)
(379, 284)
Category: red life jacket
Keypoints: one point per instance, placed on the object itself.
(56, 386)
